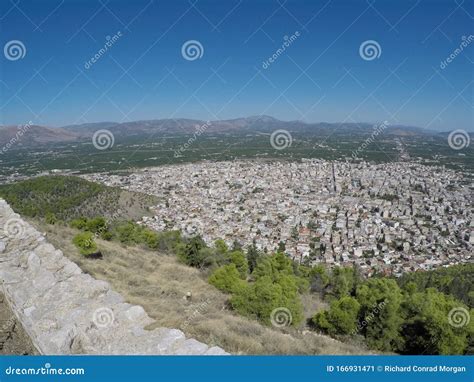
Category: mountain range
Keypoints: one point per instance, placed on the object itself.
(42, 135)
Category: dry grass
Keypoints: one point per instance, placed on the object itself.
(13, 338)
(160, 284)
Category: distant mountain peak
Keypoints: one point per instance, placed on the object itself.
(263, 118)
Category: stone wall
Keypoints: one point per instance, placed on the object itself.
(65, 311)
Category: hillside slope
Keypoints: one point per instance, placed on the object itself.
(69, 197)
(160, 284)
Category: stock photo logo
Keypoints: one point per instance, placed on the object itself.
(103, 139)
(281, 317)
(14, 228)
(14, 50)
(192, 50)
(459, 139)
(459, 317)
(370, 50)
(103, 317)
(281, 139)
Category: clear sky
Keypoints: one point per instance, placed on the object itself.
(319, 76)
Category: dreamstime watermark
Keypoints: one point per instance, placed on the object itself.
(376, 309)
(459, 317)
(14, 50)
(370, 50)
(281, 317)
(287, 41)
(14, 228)
(192, 50)
(103, 139)
(458, 139)
(21, 130)
(377, 129)
(45, 370)
(464, 44)
(197, 133)
(110, 41)
(200, 310)
(103, 317)
(281, 139)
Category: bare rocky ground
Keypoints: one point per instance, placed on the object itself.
(13, 339)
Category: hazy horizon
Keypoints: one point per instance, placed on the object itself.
(246, 117)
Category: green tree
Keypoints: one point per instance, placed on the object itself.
(260, 299)
(221, 247)
(318, 279)
(435, 324)
(380, 299)
(281, 247)
(191, 254)
(275, 286)
(343, 281)
(236, 246)
(295, 233)
(207, 258)
(168, 241)
(227, 279)
(456, 280)
(341, 318)
(238, 258)
(253, 255)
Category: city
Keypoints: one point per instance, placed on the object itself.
(388, 218)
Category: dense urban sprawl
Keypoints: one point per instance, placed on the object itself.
(387, 218)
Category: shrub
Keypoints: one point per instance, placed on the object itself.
(226, 278)
(96, 225)
(85, 243)
(50, 218)
(80, 223)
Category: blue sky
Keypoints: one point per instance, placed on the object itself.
(320, 76)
